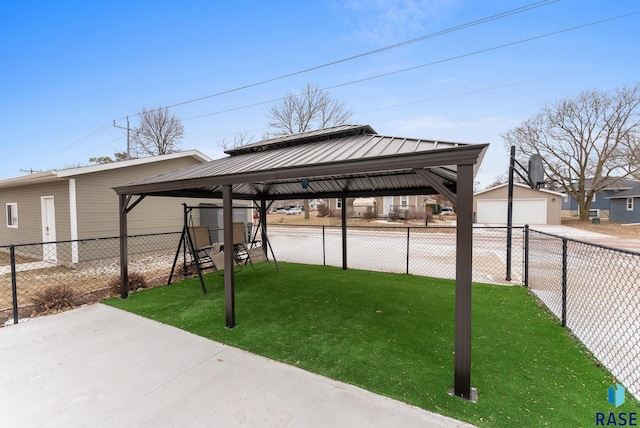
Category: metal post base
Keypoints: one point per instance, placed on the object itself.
(473, 398)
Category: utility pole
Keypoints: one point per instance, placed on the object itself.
(128, 135)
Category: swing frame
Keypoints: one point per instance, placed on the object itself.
(187, 245)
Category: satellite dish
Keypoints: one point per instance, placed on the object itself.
(536, 171)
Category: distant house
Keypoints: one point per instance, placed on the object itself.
(529, 206)
(79, 203)
(625, 205)
(412, 206)
(600, 202)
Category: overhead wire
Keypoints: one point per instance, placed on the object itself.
(77, 142)
(452, 58)
(501, 15)
(477, 91)
(490, 18)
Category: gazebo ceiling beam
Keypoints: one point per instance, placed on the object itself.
(436, 182)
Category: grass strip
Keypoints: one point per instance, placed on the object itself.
(393, 334)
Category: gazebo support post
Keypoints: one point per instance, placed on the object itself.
(124, 258)
(464, 242)
(229, 280)
(263, 225)
(343, 200)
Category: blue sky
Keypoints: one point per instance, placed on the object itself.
(70, 68)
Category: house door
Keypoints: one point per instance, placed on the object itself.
(386, 204)
(49, 251)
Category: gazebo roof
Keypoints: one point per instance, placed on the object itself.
(346, 159)
(343, 161)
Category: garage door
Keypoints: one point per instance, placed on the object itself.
(525, 211)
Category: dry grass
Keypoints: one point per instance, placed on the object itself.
(606, 227)
(5, 259)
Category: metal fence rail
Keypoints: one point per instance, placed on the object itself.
(595, 292)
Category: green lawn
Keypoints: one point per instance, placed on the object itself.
(393, 334)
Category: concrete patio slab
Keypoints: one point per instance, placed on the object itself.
(100, 366)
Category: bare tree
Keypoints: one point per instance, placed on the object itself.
(239, 139)
(159, 132)
(587, 143)
(312, 108)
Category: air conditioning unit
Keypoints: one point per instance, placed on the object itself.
(594, 213)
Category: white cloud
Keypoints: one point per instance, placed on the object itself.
(381, 22)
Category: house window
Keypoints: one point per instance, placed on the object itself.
(629, 204)
(404, 201)
(565, 199)
(339, 203)
(12, 215)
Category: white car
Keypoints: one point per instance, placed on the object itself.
(294, 211)
(447, 211)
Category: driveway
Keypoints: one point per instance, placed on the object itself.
(100, 366)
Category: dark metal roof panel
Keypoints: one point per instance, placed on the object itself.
(361, 162)
(341, 149)
(301, 138)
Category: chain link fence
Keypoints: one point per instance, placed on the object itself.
(595, 292)
(425, 251)
(41, 277)
(47, 276)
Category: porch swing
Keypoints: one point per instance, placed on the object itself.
(200, 252)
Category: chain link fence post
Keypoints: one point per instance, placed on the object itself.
(408, 231)
(525, 267)
(564, 282)
(324, 249)
(14, 284)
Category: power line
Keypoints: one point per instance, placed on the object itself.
(491, 88)
(470, 24)
(403, 70)
(501, 15)
(481, 51)
(75, 143)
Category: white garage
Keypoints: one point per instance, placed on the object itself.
(527, 211)
(529, 206)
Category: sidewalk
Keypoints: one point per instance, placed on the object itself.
(100, 366)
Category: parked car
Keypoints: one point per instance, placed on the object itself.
(281, 211)
(447, 211)
(294, 211)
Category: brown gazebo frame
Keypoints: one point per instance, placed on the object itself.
(339, 162)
